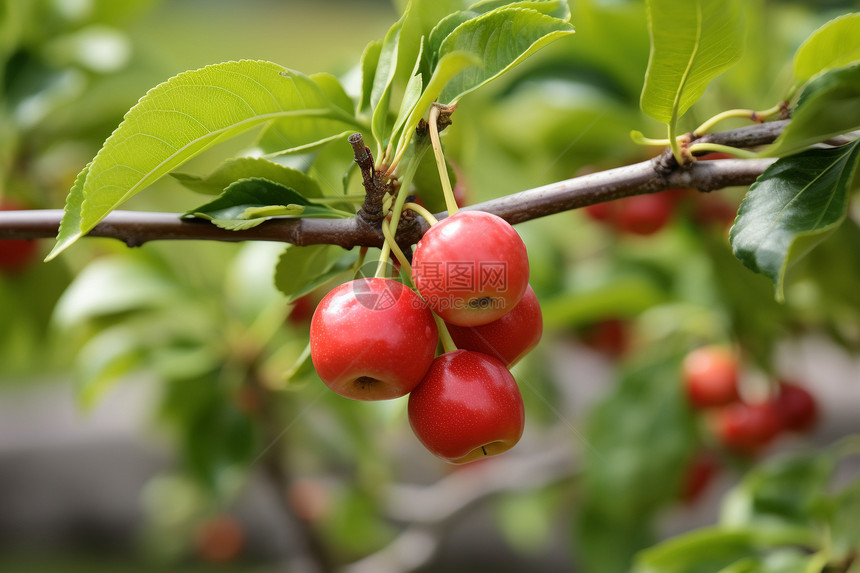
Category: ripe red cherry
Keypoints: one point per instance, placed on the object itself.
(610, 336)
(472, 268)
(372, 339)
(508, 338)
(602, 212)
(710, 375)
(747, 428)
(699, 474)
(15, 254)
(644, 214)
(467, 407)
(796, 407)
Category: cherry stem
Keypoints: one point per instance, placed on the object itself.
(395, 248)
(450, 202)
(716, 147)
(752, 115)
(444, 336)
(427, 215)
(356, 268)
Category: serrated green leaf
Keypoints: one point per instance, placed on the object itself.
(301, 269)
(828, 106)
(70, 224)
(502, 39)
(794, 204)
(233, 170)
(692, 42)
(248, 202)
(368, 65)
(833, 45)
(250, 192)
(187, 114)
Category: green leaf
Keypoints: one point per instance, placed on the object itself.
(233, 170)
(705, 550)
(845, 524)
(369, 62)
(380, 95)
(833, 45)
(187, 114)
(794, 204)
(248, 202)
(334, 91)
(784, 493)
(70, 224)
(828, 106)
(301, 269)
(501, 39)
(692, 42)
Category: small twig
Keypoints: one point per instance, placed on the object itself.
(371, 211)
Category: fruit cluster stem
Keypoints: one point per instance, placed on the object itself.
(450, 202)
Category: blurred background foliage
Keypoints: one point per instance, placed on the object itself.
(231, 405)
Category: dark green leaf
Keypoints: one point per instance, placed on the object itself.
(828, 106)
(233, 170)
(784, 493)
(692, 42)
(794, 204)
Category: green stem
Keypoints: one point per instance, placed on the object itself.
(639, 137)
(716, 147)
(450, 202)
(444, 336)
(428, 216)
(673, 141)
(356, 268)
(405, 184)
(384, 253)
(395, 248)
(752, 115)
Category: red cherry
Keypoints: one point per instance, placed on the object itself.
(302, 310)
(16, 254)
(710, 375)
(699, 474)
(472, 268)
(712, 210)
(796, 407)
(602, 212)
(747, 428)
(219, 539)
(644, 214)
(611, 337)
(372, 339)
(467, 407)
(508, 338)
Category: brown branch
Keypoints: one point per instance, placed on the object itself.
(374, 188)
(136, 228)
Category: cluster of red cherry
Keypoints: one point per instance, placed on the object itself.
(711, 379)
(376, 339)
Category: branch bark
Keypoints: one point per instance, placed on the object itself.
(136, 228)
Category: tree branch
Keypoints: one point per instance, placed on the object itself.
(136, 228)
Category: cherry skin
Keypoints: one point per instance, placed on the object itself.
(467, 407)
(710, 375)
(747, 428)
(644, 214)
(796, 407)
(472, 268)
(372, 339)
(698, 476)
(16, 254)
(508, 338)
